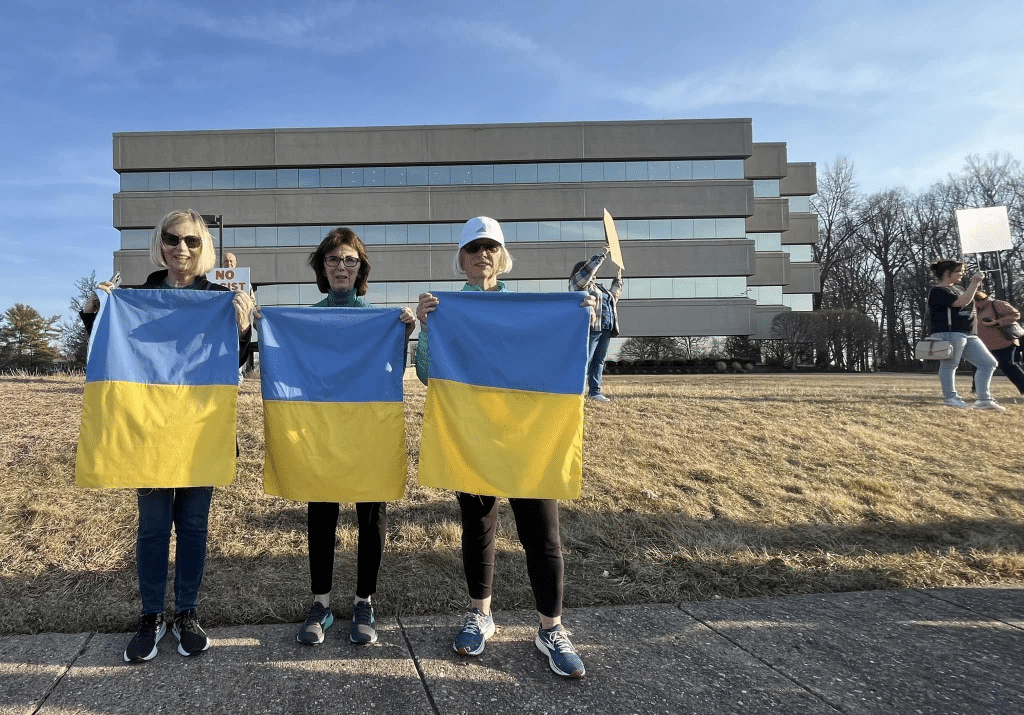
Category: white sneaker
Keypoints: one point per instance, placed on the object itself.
(956, 402)
(599, 398)
(988, 405)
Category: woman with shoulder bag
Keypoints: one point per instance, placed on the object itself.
(996, 316)
(953, 318)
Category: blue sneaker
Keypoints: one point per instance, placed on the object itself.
(477, 629)
(363, 631)
(562, 656)
(320, 619)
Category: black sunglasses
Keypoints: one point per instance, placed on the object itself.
(172, 240)
(476, 246)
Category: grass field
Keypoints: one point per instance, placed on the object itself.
(695, 487)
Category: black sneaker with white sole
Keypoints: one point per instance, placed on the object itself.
(191, 638)
(142, 646)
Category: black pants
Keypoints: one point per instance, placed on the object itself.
(321, 528)
(537, 525)
(1010, 368)
(1008, 358)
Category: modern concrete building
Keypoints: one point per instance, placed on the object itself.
(716, 230)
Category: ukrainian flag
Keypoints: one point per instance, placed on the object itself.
(161, 391)
(332, 403)
(504, 409)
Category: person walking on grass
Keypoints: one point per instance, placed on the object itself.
(994, 314)
(342, 269)
(604, 323)
(482, 257)
(183, 246)
(953, 317)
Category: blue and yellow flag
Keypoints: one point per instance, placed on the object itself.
(504, 410)
(161, 391)
(332, 403)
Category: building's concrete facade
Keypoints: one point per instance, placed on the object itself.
(703, 255)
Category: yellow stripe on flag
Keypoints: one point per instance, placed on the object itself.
(501, 442)
(156, 436)
(306, 461)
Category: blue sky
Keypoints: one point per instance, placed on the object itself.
(905, 88)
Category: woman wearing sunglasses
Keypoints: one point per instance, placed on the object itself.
(183, 247)
(342, 269)
(482, 257)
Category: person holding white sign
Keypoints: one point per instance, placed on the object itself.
(953, 318)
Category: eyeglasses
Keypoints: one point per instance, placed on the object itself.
(349, 261)
(476, 246)
(172, 240)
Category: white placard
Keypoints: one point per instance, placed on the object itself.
(233, 278)
(984, 230)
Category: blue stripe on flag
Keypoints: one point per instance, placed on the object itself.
(518, 341)
(332, 354)
(165, 337)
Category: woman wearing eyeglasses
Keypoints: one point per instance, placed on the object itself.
(482, 257)
(342, 268)
(183, 247)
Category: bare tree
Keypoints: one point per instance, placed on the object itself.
(883, 235)
(836, 204)
(634, 349)
(796, 329)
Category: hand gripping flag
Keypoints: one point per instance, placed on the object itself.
(332, 403)
(161, 391)
(504, 409)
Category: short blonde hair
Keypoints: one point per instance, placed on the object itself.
(503, 264)
(207, 253)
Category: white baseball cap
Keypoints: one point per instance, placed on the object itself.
(481, 227)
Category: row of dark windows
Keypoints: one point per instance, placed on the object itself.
(444, 175)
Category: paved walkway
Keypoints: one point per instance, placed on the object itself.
(953, 651)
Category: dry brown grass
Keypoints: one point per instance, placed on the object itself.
(695, 487)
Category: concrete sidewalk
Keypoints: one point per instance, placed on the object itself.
(954, 651)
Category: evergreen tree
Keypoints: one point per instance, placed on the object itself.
(26, 339)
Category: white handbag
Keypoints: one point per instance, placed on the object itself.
(934, 348)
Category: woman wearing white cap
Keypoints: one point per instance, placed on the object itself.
(482, 257)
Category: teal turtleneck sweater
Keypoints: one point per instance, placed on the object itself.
(343, 299)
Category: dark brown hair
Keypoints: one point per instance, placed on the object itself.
(342, 236)
(944, 265)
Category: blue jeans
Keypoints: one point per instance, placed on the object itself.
(188, 510)
(971, 349)
(596, 352)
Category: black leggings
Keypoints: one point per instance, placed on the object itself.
(537, 525)
(321, 528)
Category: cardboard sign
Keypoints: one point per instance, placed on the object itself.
(233, 278)
(984, 230)
(612, 237)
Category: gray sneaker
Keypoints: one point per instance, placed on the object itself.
(956, 402)
(320, 619)
(363, 630)
(599, 398)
